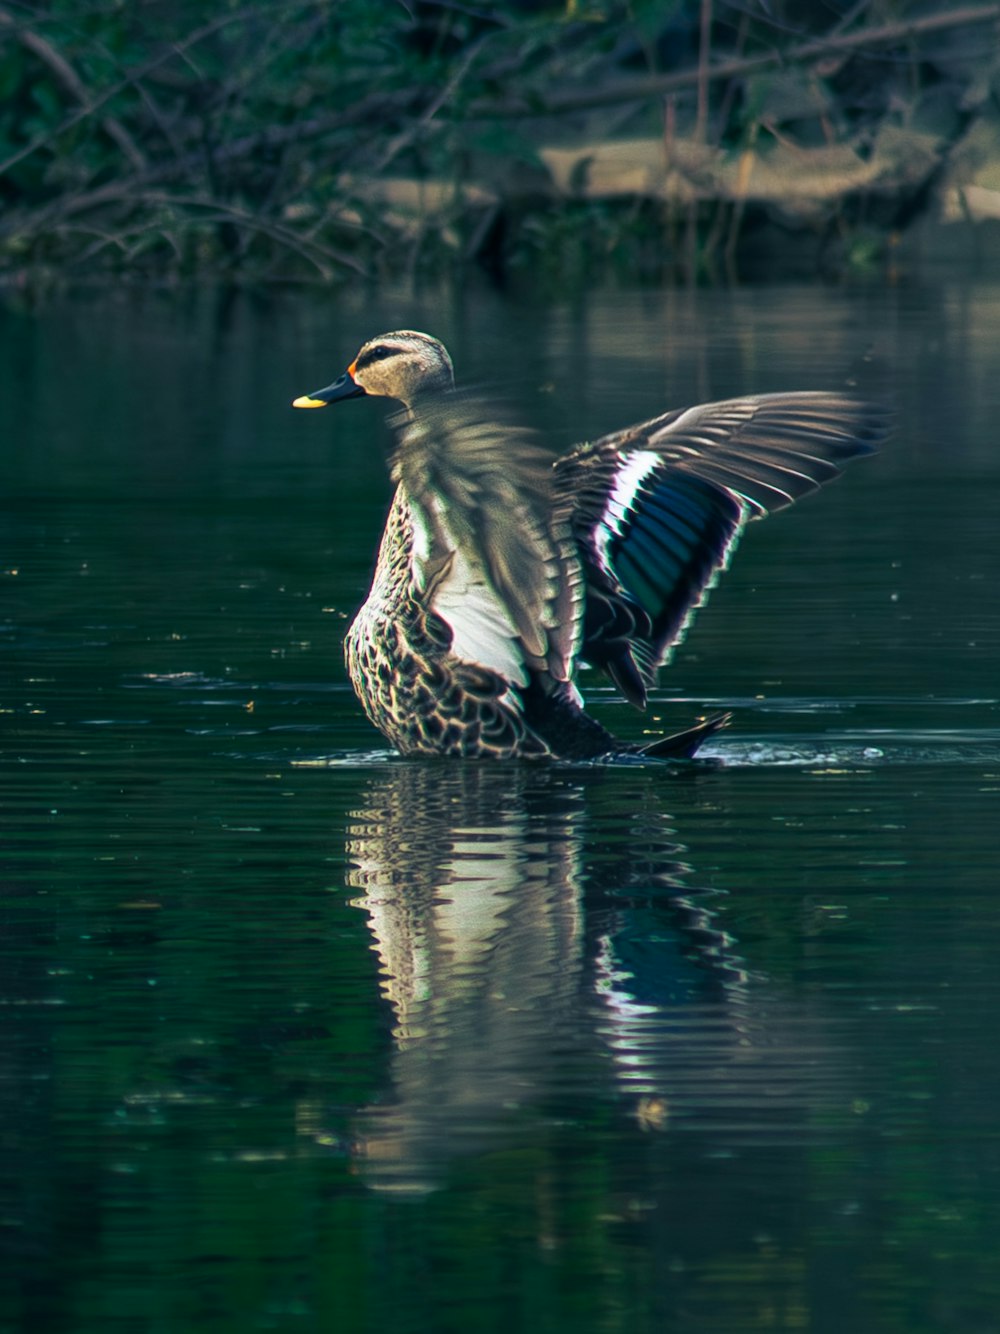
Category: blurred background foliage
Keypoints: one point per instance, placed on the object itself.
(328, 139)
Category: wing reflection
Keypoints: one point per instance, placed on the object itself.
(541, 948)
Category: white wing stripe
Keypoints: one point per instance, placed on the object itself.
(482, 631)
(628, 480)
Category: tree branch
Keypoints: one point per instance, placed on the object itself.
(71, 83)
(94, 103)
(657, 85)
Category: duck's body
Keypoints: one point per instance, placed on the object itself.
(499, 570)
(420, 694)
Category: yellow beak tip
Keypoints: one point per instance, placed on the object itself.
(306, 402)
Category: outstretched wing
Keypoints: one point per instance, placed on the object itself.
(656, 509)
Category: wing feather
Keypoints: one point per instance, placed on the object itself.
(485, 489)
(657, 509)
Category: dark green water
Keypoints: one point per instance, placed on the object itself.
(298, 1036)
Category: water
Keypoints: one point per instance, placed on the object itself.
(297, 1035)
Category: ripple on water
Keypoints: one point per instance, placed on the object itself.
(847, 750)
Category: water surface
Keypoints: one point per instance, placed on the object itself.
(298, 1035)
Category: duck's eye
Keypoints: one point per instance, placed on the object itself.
(378, 353)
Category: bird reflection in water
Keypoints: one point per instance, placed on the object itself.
(541, 947)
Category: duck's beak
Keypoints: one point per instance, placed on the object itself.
(345, 387)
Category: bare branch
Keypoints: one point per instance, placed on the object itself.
(658, 85)
(95, 103)
(71, 83)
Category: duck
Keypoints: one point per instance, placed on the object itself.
(503, 568)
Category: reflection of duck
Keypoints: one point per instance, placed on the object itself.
(538, 948)
(474, 906)
(498, 572)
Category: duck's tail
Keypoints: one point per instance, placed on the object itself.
(684, 745)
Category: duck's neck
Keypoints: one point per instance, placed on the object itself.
(411, 407)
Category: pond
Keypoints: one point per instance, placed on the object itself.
(300, 1035)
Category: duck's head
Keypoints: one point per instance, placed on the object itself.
(402, 365)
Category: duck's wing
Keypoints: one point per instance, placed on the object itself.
(656, 509)
(490, 555)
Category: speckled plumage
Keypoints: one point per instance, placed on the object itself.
(500, 569)
(418, 695)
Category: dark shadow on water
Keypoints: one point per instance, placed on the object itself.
(544, 947)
